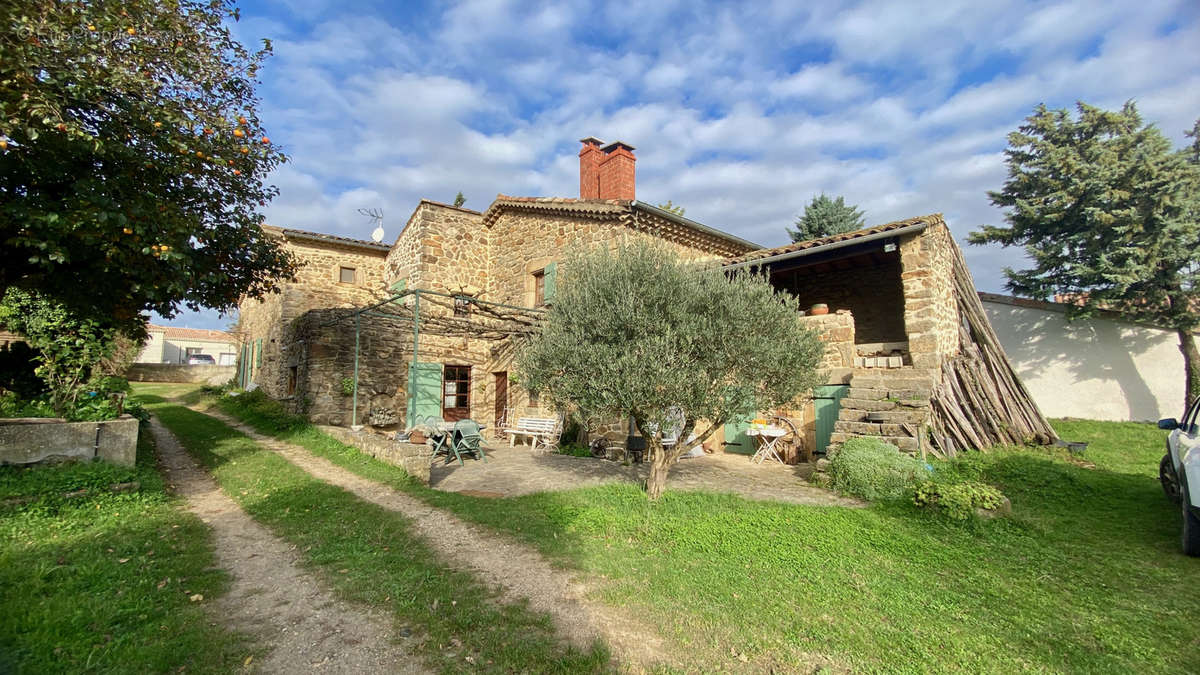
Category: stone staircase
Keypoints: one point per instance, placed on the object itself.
(880, 402)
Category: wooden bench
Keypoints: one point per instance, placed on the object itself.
(545, 430)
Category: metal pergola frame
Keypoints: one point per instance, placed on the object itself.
(512, 321)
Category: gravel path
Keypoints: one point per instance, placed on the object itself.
(521, 572)
(271, 597)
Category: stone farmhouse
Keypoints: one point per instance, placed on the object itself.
(909, 355)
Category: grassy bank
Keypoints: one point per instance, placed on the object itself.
(369, 555)
(99, 581)
(1085, 576)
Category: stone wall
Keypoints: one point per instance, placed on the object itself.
(170, 372)
(317, 285)
(442, 248)
(526, 242)
(33, 440)
(871, 289)
(320, 347)
(837, 331)
(930, 308)
(414, 458)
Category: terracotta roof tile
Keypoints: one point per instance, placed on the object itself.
(180, 333)
(335, 239)
(813, 243)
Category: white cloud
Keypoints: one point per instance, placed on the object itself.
(740, 112)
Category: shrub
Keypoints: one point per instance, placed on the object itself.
(874, 469)
(12, 405)
(266, 410)
(574, 450)
(958, 500)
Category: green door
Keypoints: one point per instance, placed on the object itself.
(425, 393)
(736, 439)
(827, 401)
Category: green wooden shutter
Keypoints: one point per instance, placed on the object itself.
(550, 277)
(258, 359)
(245, 366)
(425, 396)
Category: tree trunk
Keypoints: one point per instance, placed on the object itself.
(656, 482)
(1191, 365)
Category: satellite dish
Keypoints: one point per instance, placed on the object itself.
(376, 216)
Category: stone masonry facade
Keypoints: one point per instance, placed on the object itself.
(510, 253)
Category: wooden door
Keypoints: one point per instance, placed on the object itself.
(736, 440)
(501, 398)
(456, 393)
(827, 401)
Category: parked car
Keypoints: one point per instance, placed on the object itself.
(1179, 472)
(201, 360)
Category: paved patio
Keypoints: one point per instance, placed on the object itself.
(518, 471)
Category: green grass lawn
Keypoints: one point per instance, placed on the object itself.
(1086, 576)
(368, 554)
(100, 581)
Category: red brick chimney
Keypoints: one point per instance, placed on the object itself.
(589, 168)
(617, 175)
(607, 172)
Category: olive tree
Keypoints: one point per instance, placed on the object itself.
(637, 332)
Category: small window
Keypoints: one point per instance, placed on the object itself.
(347, 275)
(291, 383)
(539, 288)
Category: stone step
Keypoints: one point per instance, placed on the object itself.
(877, 381)
(908, 415)
(903, 371)
(868, 404)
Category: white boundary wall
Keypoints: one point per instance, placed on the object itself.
(1089, 368)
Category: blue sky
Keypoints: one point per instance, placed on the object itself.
(740, 112)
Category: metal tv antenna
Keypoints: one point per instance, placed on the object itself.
(376, 216)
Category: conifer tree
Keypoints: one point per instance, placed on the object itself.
(825, 216)
(1109, 215)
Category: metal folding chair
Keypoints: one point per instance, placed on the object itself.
(466, 439)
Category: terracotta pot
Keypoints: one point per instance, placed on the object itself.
(416, 437)
(818, 309)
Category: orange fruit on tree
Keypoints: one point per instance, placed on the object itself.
(237, 172)
(158, 125)
(131, 31)
(207, 131)
(245, 151)
(238, 133)
(200, 154)
(265, 140)
(127, 230)
(241, 120)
